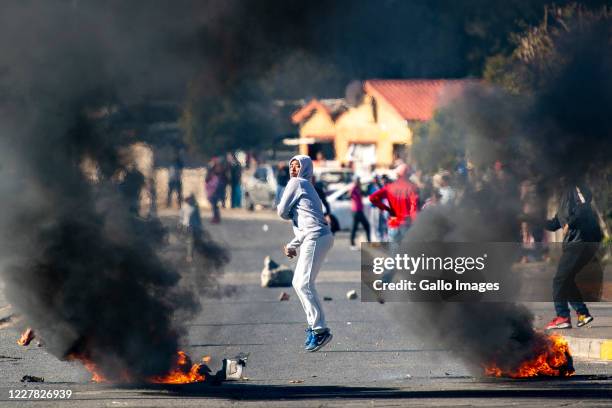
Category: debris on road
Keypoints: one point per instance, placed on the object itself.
(351, 294)
(31, 378)
(283, 296)
(26, 337)
(275, 275)
(296, 381)
(233, 368)
(327, 298)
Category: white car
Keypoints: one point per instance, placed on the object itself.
(334, 178)
(340, 206)
(260, 188)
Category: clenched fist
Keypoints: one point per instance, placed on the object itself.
(290, 252)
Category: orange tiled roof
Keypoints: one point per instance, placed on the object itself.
(416, 99)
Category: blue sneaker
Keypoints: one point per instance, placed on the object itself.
(309, 335)
(319, 340)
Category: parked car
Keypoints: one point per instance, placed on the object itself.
(260, 188)
(334, 178)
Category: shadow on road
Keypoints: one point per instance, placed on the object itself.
(581, 387)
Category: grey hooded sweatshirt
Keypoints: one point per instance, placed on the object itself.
(301, 204)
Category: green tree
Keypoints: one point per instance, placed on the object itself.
(439, 143)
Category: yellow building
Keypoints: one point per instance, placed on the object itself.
(377, 128)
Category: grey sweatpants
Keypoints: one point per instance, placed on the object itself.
(310, 260)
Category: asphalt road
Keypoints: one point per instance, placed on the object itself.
(373, 360)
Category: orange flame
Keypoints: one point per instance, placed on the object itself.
(95, 374)
(552, 360)
(183, 371)
(26, 337)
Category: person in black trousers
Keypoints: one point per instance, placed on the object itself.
(358, 215)
(581, 238)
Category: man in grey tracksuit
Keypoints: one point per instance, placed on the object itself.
(301, 204)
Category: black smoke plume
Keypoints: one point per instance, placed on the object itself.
(560, 129)
(77, 261)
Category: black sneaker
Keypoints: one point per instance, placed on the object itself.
(319, 340)
(583, 319)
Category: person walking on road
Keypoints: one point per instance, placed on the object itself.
(300, 203)
(581, 240)
(358, 215)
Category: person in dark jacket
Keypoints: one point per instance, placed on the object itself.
(235, 176)
(175, 173)
(581, 238)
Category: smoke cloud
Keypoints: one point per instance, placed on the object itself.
(86, 272)
(559, 130)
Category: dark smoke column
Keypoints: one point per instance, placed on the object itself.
(560, 128)
(82, 268)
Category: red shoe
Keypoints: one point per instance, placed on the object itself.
(559, 323)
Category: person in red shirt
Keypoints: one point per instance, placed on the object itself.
(403, 199)
(358, 215)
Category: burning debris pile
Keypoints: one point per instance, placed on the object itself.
(182, 371)
(552, 358)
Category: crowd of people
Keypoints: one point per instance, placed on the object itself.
(223, 178)
(383, 207)
(394, 203)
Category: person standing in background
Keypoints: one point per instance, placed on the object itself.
(212, 186)
(401, 200)
(375, 213)
(447, 193)
(223, 173)
(130, 187)
(190, 224)
(433, 200)
(357, 209)
(175, 173)
(235, 173)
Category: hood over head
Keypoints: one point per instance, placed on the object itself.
(305, 166)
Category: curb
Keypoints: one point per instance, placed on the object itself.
(594, 349)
